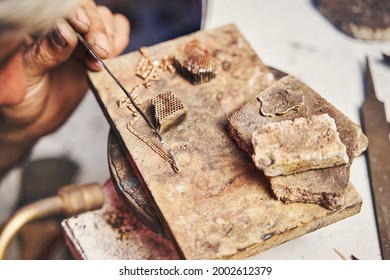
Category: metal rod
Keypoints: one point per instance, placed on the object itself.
(71, 200)
(378, 159)
(369, 83)
(36, 210)
(92, 52)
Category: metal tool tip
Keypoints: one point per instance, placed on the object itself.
(175, 168)
(171, 155)
(367, 61)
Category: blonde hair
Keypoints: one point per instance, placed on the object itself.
(32, 16)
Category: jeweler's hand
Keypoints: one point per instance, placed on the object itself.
(55, 68)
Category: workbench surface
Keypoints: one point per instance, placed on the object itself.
(217, 206)
(294, 37)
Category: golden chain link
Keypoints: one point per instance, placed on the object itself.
(147, 70)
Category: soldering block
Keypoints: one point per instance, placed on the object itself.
(279, 101)
(292, 146)
(169, 111)
(195, 63)
(323, 186)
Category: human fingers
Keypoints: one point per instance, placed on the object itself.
(108, 21)
(79, 20)
(97, 35)
(118, 30)
(49, 51)
(122, 33)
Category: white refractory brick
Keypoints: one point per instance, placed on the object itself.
(293, 146)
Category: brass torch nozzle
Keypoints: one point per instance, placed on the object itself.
(70, 200)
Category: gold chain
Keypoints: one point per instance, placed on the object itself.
(147, 70)
(147, 142)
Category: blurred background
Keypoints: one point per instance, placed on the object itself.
(154, 21)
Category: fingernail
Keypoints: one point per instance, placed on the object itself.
(94, 62)
(58, 39)
(82, 16)
(60, 32)
(97, 65)
(101, 41)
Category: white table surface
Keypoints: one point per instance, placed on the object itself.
(293, 37)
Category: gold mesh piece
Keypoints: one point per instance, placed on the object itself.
(169, 111)
(195, 63)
